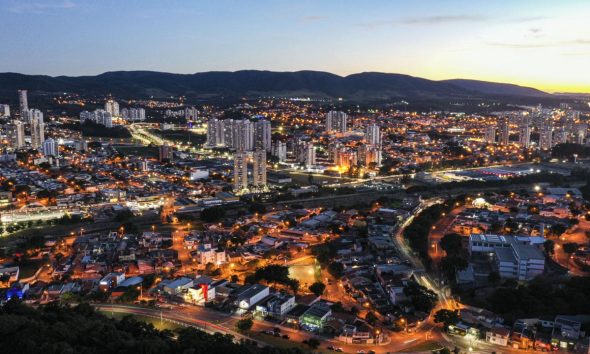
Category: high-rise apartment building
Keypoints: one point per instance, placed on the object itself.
(37, 129)
(524, 135)
(336, 121)
(546, 136)
(240, 171)
(373, 135)
(259, 169)
(112, 107)
(23, 102)
(16, 134)
(50, 148)
(490, 134)
(279, 150)
(4, 110)
(504, 132)
(262, 135)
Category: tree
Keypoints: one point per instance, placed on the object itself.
(558, 229)
(317, 288)
(212, 214)
(371, 318)
(570, 247)
(313, 343)
(549, 247)
(245, 324)
(446, 317)
(450, 265)
(336, 269)
(452, 243)
(494, 277)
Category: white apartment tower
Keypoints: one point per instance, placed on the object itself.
(280, 150)
(244, 135)
(50, 147)
(309, 155)
(4, 110)
(23, 101)
(37, 130)
(490, 134)
(16, 134)
(373, 135)
(336, 121)
(259, 169)
(240, 171)
(546, 136)
(262, 134)
(504, 132)
(112, 107)
(524, 136)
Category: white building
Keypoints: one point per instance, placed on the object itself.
(112, 107)
(262, 135)
(37, 129)
(240, 171)
(336, 121)
(280, 150)
(50, 148)
(249, 295)
(99, 116)
(206, 255)
(309, 159)
(524, 136)
(490, 135)
(133, 114)
(23, 102)
(16, 134)
(515, 257)
(373, 135)
(4, 110)
(504, 132)
(259, 170)
(243, 135)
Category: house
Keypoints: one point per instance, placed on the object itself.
(276, 306)
(566, 332)
(203, 290)
(111, 280)
(315, 317)
(206, 254)
(177, 286)
(247, 296)
(498, 336)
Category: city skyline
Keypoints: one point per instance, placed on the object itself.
(540, 44)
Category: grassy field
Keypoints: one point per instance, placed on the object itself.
(154, 321)
(422, 347)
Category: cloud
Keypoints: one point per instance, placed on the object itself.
(510, 45)
(443, 19)
(24, 7)
(535, 30)
(313, 18)
(434, 20)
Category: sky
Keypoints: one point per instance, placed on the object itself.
(539, 43)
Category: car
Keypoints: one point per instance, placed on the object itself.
(276, 330)
(286, 336)
(330, 347)
(371, 352)
(360, 351)
(276, 334)
(338, 350)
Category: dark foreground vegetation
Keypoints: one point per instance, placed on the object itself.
(57, 329)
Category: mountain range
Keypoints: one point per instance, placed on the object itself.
(366, 86)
